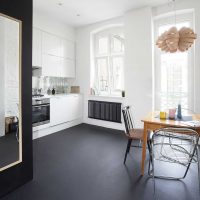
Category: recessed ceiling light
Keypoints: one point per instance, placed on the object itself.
(60, 3)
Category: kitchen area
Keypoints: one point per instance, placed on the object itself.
(56, 102)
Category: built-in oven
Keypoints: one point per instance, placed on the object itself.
(40, 111)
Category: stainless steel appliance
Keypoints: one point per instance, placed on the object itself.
(40, 111)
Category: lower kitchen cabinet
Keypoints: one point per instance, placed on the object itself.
(65, 108)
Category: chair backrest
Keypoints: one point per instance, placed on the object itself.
(175, 145)
(128, 121)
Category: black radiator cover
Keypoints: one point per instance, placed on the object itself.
(102, 110)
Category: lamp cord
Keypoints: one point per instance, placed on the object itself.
(174, 7)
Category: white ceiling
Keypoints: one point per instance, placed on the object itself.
(90, 11)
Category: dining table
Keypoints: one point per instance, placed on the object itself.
(153, 122)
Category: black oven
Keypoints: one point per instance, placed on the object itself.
(40, 111)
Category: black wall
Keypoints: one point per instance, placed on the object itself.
(21, 173)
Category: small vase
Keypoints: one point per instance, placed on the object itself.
(53, 91)
(179, 115)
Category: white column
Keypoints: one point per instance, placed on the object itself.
(138, 62)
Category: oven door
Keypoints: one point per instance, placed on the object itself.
(40, 114)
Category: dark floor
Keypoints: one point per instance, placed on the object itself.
(9, 149)
(86, 163)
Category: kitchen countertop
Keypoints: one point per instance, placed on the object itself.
(62, 95)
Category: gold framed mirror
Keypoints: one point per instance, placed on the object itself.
(10, 92)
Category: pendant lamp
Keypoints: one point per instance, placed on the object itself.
(175, 40)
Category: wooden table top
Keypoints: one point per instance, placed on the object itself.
(154, 118)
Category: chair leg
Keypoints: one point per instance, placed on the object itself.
(150, 157)
(153, 176)
(127, 149)
(197, 151)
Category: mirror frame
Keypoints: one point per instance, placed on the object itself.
(20, 93)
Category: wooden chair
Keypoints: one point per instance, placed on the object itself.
(130, 131)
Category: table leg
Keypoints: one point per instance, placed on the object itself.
(144, 145)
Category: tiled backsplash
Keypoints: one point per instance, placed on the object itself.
(61, 85)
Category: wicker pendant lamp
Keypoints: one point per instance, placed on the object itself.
(175, 40)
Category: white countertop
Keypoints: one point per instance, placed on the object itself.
(58, 95)
(62, 95)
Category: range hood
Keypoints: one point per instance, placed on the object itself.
(36, 71)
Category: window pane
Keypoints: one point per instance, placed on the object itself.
(117, 73)
(118, 42)
(102, 74)
(172, 75)
(174, 80)
(103, 45)
(108, 50)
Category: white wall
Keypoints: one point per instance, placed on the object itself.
(138, 59)
(138, 62)
(2, 79)
(9, 70)
(11, 67)
(182, 5)
(49, 24)
(138, 69)
(83, 68)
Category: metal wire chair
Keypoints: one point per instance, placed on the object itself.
(175, 146)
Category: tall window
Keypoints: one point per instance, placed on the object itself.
(173, 71)
(107, 73)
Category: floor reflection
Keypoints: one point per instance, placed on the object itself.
(9, 149)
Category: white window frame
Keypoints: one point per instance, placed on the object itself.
(108, 32)
(183, 17)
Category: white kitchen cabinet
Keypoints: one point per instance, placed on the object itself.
(57, 111)
(51, 44)
(55, 55)
(67, 49)
(64, 109)
(75, 107)
(37, 48)
(67, 68)
(51, 65)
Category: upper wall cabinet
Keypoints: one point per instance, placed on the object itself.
(55, 55)
(37, 48)
(67, 49)
(67, 68)
(51, 44)
(51, 66)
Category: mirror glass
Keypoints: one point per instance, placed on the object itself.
(10, 92)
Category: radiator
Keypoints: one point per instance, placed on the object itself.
(108, 111)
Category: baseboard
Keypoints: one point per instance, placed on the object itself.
(53, 129)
